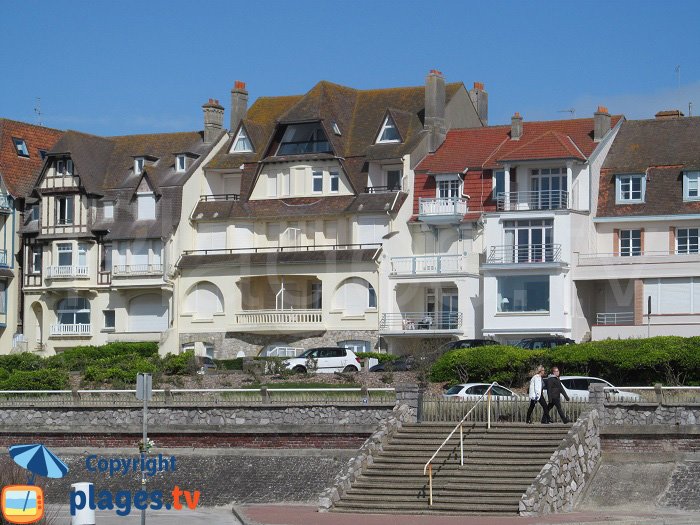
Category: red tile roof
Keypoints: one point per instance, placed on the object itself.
(19, 173)
(549, 145)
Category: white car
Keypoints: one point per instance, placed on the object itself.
(327, 360)
(473, 391)
(577, 388)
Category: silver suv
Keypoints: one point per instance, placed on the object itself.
(326, 359)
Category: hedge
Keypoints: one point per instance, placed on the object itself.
(668, 360)
(382, 358)
(35, 380)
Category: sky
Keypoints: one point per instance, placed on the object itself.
(147, 66)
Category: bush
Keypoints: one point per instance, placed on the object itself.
(121, 368)
(21, 361)
(35, 380)
(382, 358)
(229, 364)
(178, 364)
(77, 359)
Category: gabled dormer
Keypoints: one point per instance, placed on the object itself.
(184, 160)
(141, 161)
(389, 132)
(145, 197)
(242, 142)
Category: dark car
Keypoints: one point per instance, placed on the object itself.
(536, 343)
(402, 364)
(467, 343)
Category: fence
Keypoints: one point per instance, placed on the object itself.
(666, 395)
(447, 410)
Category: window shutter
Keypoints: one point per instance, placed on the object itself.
(674, 296)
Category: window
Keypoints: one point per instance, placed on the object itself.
(371, 230)
(304, 138)
(64, 167)
(316, 296)
(630, 188)
(43, 153)
(630, 242)
(65, 253)
(499, 183)
(389, 133)
(109, 319)
(272, 185)
(449, 188)
(353, 296)
(73, 310)
(35, 259)
(673, 295)
(523, 293)
(393, 180)
(549, 189)
(371, 297)
(355, 346)
(21, 147)
(242, 143)
(286, 177)
(138, 165)
(336, 129)
(146, 203)
(34, 212)
(64, 210)
(204, 300)
(106, 260)
(687, 240)
(3, 297)
(691, 186)
(528, 241)
(180, 163)
(108, 209)
(317, 182)
(82, 254)
(335, 181)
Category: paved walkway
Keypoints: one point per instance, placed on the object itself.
(307, 515)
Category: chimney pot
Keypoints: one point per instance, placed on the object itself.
(479, 85)
(516, 126)
(436, 72)
(601, 123)
(238, 84)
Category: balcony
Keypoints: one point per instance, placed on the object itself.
(220, 197)
(637, 265)
(67, 272)
(434, 265)
(420, 323)
(137, 270)
(5, 204)
(533, 200)
(382, 189)
(274, 320)
(615, 319)
(441, 211)
(524, 254)
(285, 249)
(71, 330)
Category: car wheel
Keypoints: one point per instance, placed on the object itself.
(299, 369)
(350, 368)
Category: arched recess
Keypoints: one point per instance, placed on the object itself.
(204, 299)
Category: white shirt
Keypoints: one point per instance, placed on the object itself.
(536, 387)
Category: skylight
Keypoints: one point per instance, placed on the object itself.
(21, 147)
(389, 133)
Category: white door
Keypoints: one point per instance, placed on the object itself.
(148, 313)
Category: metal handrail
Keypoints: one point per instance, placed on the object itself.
(281, 249)
(429, 465)
(220, 197)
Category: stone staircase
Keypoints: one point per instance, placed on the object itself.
(499, 466)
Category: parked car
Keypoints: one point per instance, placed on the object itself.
(577, 388)
(204, 362)
(402, 364)
(547, 341)
(467, 343)
(473, 391)
(328, 359)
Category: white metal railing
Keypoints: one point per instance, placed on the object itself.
(429, 465)
(524, 253)
(427, 264)
(275, 317)
(284, 351)
(67, 272)
(421, 321)
(533, 200)
(613, 318)
(631, 255)
(71, 329)
(442, 206)
(134, 270)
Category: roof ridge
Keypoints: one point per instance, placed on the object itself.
(5, 119)
(112, 137)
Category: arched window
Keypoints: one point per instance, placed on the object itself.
(73, 310)
(354, 296)
(204, 299)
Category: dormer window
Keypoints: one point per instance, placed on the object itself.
(146, 206)
(138, 165)
(64, 167)
(691, 186)
(242, 143)
(180, 163)
(336, 129)
(43, 153)
(108, 209)
(630, 189)
(299, 139)
(21, 147)
(388, 133)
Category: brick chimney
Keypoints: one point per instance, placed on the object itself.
(480, 99)
(213, 120)
(239, 104)
(601, 123)
(435, 109)
(669, 114)
(516, 126)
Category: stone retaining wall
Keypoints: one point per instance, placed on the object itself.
(562, 480)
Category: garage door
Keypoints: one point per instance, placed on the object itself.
(148, 313)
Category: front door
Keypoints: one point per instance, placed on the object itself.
(450, 309)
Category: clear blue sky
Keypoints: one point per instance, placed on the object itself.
(145, 66)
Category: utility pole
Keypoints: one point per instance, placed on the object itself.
(144, 391)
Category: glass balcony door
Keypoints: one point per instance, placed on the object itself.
(529, 240)
(549, 188)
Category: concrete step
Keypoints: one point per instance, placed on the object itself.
(470, 457)
(480, 485)
(460, 498)
(495, 452)
(424, 508)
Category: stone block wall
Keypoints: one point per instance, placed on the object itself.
(567, 472)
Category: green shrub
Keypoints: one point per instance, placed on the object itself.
(35, 380)
(229, 364)
(77, 359)
(21, 361)
(382, 358)
(178, 364)
(121, 368)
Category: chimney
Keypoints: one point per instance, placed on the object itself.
(601, 123)
(213, 120)
(516, 126)
(435, 109)
(239, 104)
(669, 114)
(480, 99)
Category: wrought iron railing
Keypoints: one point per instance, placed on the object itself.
(533, 200)
(220, 197)
(524, 253)
(382, 189)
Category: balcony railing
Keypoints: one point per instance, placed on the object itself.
(220, 197)
(3, 257)
(428, 264)
(453, 207)
(533, 200)
(524, 253)
(136, 270)
(616, 318)
(280, 249)
(67, 272)
(382, 189)
(71, 329)
(5, 204)
(428, 321)
(633, 255)
(279, 317)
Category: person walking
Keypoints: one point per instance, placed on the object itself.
(535, 395)
(554, 391)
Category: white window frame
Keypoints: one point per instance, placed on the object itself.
(64, 247)
(74, 311)
(141, 209)
(64, 167)
(371, 297)
(68, 216)
(334, 180)
(627, 179)
(36, 255)
(21, 147)
(139, 163)
(108, 209)
(181, 163)
(627, 245)
(272, 185)
(453, 182)
(286, 177)
(107, 327)
(316, 175)
(336, 129)
(389, 123)
(692, 236)
(243, 140)
(691, 178)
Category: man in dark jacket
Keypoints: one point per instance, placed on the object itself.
(554, 392)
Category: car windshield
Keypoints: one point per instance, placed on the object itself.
(454, 390)
(500, 391)
(306, 354)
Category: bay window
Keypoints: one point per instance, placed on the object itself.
(523, 293)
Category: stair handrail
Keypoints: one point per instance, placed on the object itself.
(428, 468)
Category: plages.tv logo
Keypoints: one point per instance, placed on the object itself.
(25, 503)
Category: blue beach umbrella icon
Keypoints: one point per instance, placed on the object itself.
(38, 460)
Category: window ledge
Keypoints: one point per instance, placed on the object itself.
(528, 314)
(351, 317)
